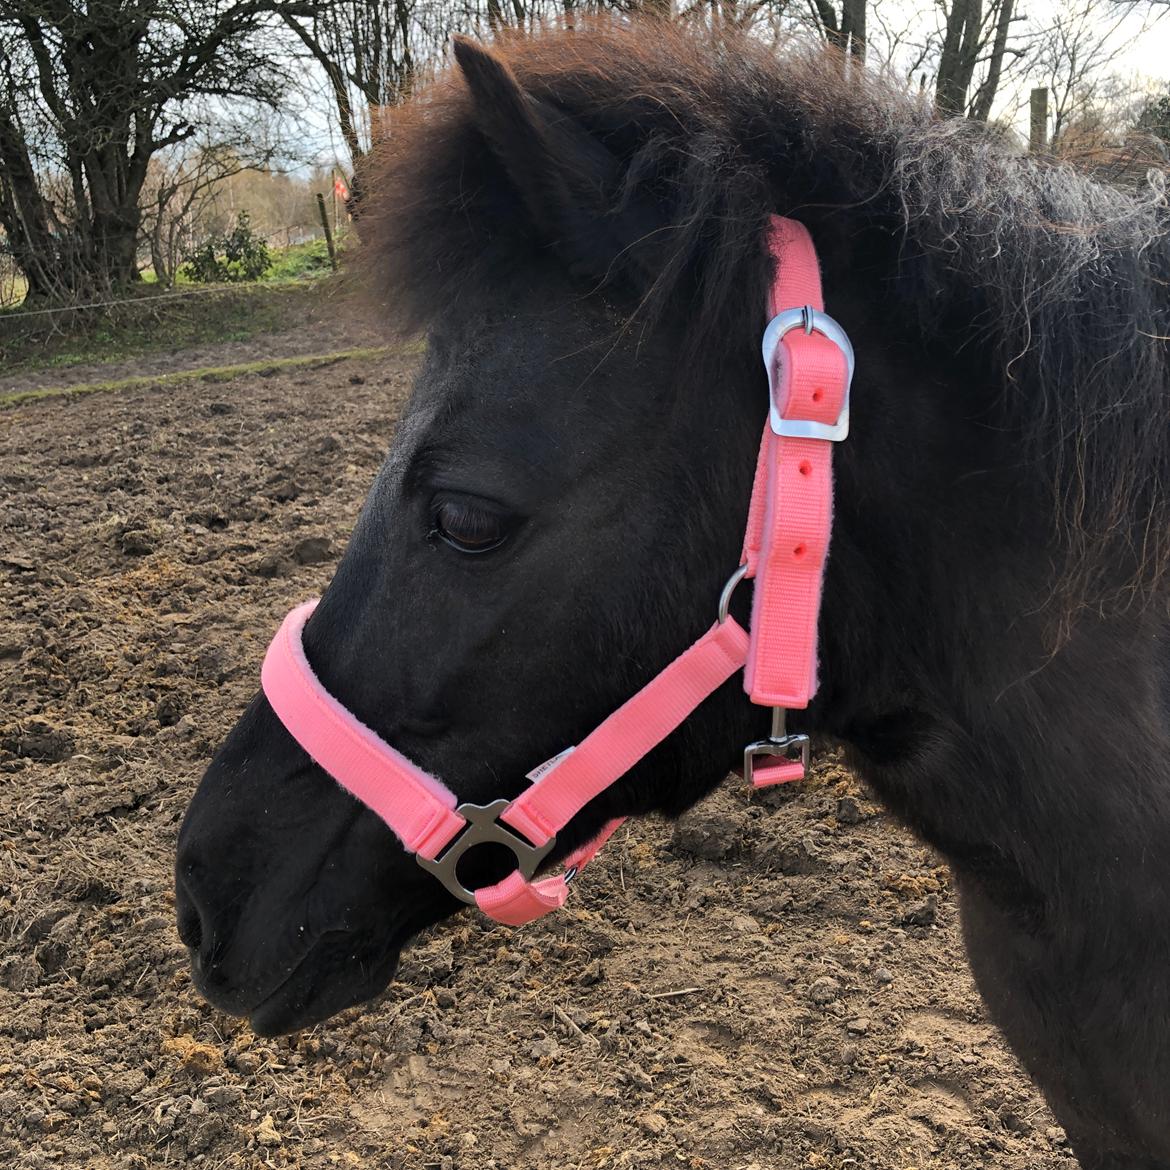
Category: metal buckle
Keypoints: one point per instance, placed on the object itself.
(785, 747)
(809, 319)
(483, 826)
(779, 743)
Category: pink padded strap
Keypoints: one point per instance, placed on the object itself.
(781, 772)
(781, 668)
(417, 806)
(798, 272)
(420, 809)
(787, 540)
(514, 901)
(643, 721)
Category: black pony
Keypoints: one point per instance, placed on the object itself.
(578, 221)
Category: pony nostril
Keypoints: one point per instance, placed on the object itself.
(190, 921)
(190, 927)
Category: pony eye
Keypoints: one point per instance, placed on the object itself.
(468, 527)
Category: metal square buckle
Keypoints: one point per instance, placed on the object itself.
(483, 826)
(780, 744)
(787, 747)
(810, 320)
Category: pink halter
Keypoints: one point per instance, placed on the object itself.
(810, 364)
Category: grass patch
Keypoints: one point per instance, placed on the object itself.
(13, 286)
(205, 374)
(300, 261)
(154, 320)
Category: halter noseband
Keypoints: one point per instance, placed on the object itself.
(810, 364)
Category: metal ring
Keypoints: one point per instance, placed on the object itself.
(483, 827)
(728, 590)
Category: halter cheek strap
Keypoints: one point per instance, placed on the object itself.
(809, 363)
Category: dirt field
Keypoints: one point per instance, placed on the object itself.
(775, 982)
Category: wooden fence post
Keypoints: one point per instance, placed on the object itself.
(1038, 130)
(328, 231)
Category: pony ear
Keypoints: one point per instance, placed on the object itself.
(570, 183)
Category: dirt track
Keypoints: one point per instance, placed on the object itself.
(773, 983)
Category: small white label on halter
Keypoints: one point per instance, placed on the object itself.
(549, 765)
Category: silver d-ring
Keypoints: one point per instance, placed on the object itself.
(728, 590)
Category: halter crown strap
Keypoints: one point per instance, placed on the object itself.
(787, 541)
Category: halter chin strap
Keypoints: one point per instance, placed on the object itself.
(809, 363)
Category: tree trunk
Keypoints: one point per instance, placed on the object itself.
(832, 27)
(112, 256)
(956, 64)
(985, 98)
(158, 254)
(26, 217)
(853, 28)
(969, 51)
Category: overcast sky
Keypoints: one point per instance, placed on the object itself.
(1148, 52)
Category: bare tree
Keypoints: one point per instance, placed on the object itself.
(1073, 56)
(845, 30)
(373, 52)
(976, 38)
(986, 93)
(370, 52)
(90, 92)
(182, 180)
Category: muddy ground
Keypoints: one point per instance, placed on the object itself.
(776, 982)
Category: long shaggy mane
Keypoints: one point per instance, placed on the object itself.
(1052, 287)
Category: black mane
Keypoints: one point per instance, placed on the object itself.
(1051, 287)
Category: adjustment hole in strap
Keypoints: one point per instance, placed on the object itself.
(805, 467)
(799, 551)
(818, 394)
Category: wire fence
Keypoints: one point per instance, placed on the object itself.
(145, 301)
(13, 285)
(151, 305)
(21, 328)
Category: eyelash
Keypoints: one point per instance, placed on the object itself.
(468, 522)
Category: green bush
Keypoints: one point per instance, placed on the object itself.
(300, 261)
(238, 257)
